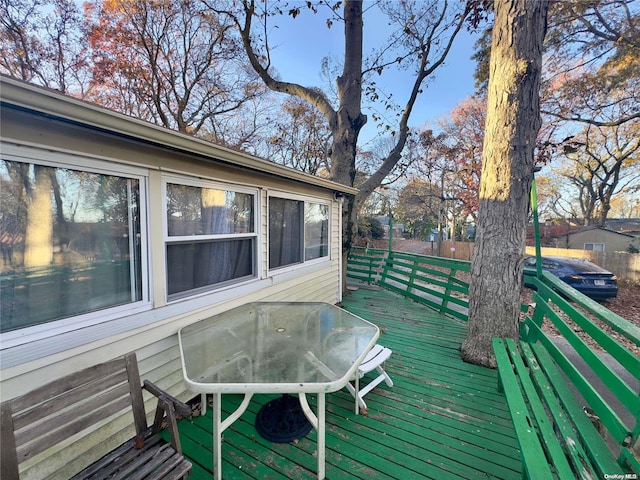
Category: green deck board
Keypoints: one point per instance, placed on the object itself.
(442, 418)
(403, 431)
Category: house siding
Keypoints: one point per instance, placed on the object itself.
(158, 361)
(27, 366)
(613, 241)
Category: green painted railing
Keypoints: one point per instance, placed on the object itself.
(440, 283)
(365, 264)
(587, 327)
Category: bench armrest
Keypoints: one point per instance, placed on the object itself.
(170, 407)
(182, 409)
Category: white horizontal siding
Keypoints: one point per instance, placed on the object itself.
(160, 363)
(151, 334)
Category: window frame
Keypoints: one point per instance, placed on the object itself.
(594, 244)
(167, 240)
(35, 154)
(303, 262)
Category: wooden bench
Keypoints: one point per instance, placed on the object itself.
(53, 413)
(565, 422)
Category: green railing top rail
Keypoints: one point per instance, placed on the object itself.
(452, 263)
(462, 265)
(368, 250)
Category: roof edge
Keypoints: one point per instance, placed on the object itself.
(41, 100)
(598, 227)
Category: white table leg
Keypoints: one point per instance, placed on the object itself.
(220, 426)
(321, 436)
(318, 423)
(216, 413)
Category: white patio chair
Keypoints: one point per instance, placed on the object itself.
(373, 361)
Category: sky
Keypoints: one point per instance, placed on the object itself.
(301, 43)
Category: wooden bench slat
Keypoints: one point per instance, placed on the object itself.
(155, 459)
(88, 375)
(142, 463)
(612, 421)
(534, 459)
(617, 386)
(97, 469)
(599, 453)
(624, 356)
(94, 406)
(545, 428)
(50, 438)
(164, 456)
(174, 469)
(37, 411)
(556, 438)
(560, 418)
(629, 458)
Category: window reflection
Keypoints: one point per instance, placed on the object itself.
(203, 262)
(316, 230)
(70, 243)
(207, 211)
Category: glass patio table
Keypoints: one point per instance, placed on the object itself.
(274, 347)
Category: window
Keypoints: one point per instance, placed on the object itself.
(597, 247)
(211, 238)
(298, 231)
(316, 230)
(72, 240)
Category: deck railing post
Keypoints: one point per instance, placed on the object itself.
(447, 291)
(536, 227)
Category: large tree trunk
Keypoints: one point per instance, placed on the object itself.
(513, 121)
(349, 120)
(347, 123)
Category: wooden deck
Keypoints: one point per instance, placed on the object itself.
(442, 419)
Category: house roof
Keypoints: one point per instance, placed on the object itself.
(45, 102)
(596, 227)
(624, 225)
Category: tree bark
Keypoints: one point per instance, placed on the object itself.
(349, 120)
(513, 121)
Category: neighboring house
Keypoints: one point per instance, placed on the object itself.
(398, 228)
(630, 226)
(600, 239)
(119, 232)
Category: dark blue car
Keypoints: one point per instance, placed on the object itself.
(586, 277)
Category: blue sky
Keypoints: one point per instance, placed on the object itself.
(301, 44)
